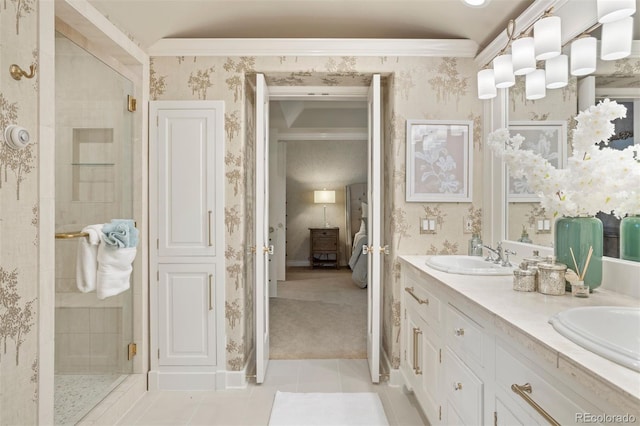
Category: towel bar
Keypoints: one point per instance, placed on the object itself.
(67, 235)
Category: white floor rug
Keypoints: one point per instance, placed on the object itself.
(327, 409)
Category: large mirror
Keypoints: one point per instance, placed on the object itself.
(541, 120)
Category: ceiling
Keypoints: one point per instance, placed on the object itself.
(148, 21)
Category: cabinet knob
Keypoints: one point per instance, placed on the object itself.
(459, 331)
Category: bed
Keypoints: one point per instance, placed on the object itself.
(356, 211)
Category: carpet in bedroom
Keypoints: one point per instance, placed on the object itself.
(318, 314)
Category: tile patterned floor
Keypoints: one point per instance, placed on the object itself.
(76, 394)
(252, 406)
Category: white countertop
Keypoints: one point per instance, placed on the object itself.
(530, 311)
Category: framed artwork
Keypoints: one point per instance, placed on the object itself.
(439, 161)
(547, 138)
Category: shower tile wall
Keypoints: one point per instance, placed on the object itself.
(88, 340)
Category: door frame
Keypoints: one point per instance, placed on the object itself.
(333, 93)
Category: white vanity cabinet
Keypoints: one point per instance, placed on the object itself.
(186, 192)
(483, 357)
(421, 345)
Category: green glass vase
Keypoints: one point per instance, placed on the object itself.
(577, 234)
(630, 238)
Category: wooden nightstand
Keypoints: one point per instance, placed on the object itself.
(324, 247)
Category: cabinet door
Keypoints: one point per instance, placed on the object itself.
(187, 142)
(186, 318)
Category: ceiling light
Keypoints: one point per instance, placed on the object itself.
(476, 3)
(486, 84)
(557, 72)
(534, 85)
(616, 39)
(503, 68)
(583, 55)
(613, 10)
(523, 55)
(546, 33)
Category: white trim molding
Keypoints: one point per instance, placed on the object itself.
(313, 47)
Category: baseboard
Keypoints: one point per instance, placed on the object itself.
(395, 376)
(298, 263)
(187, 381)
(238, 379)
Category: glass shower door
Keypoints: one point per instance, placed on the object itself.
(94, 185)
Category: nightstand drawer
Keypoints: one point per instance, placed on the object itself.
(324, 246)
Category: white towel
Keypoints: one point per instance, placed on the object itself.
(87, 258)
(114, 269)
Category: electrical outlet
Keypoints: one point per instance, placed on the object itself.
(467, 225)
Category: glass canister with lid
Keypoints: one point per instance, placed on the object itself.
(551, 277)
(524, 280)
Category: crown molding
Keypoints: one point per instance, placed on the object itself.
(313, 47)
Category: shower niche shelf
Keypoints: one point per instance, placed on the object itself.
(94, 161)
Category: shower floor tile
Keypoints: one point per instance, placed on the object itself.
(76, 394)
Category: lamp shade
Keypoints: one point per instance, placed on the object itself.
(535, 87)
(616, 38)
(547, 37)
(614, 10)
(583, 56)
(324, 197)
(486, 84)
(557, 72)
(503, 71)
(523, 52)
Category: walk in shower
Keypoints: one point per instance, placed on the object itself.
(94, 184)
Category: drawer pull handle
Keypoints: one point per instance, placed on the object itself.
(209, 228)
(410, 290)
(523, 391)
(457, 386)
(416, 367)
(459, 331)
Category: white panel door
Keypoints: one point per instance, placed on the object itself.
(263, 247)
(186, 181)
(374, 230)
(186, 314)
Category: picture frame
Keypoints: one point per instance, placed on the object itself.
(439, 161)
(547, 138)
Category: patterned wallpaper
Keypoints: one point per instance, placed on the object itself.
(413, 88)
(18, 218)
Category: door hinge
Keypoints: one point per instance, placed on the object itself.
(131, 103)
(157, 275)
(158, 353)
(439, 412)
(405, 314)
(158, 243)
(495, 418)
(440, 356)
(132, 350)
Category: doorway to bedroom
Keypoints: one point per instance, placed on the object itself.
(317, 312)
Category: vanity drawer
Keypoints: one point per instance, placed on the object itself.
(422, 301)
(464, 336)
(464, 391)
(561, 404)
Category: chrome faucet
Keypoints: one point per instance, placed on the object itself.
(497, 251)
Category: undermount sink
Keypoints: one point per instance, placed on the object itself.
(609, 331)
(466, 265)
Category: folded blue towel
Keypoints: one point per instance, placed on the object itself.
(120, 233)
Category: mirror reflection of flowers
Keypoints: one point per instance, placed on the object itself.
(435, 169)
(594, 180)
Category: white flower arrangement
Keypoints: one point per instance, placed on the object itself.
(594, 180)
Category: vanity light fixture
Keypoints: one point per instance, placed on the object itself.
(535, 87)
(503, 68)
(617, 35)
(557, 72)
(616, 39)
(583, 55)
(614, 10)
